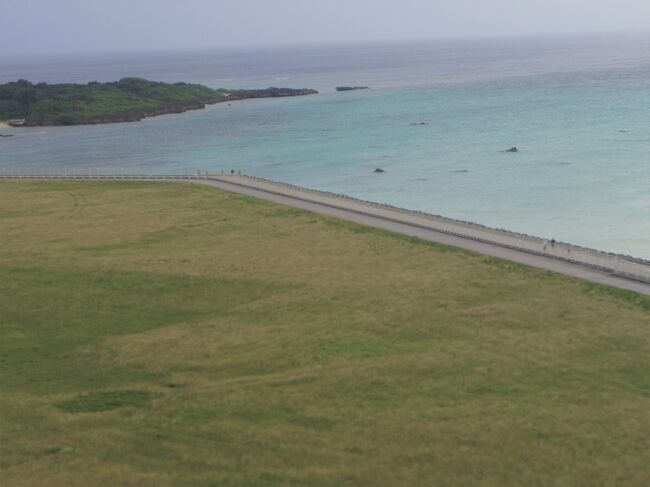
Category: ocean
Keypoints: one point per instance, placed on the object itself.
(438, 118)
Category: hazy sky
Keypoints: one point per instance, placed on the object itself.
(47, 26)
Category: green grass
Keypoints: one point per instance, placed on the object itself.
(157, 334)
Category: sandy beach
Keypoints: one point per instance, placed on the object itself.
(4, 125)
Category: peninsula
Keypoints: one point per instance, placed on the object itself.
(23, 103)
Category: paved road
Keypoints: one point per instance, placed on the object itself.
(548, 263)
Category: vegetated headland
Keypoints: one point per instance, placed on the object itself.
(23, 103)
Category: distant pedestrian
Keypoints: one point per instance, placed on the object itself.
(553, 242)
(232, 171)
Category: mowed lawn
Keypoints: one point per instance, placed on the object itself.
(160, 334)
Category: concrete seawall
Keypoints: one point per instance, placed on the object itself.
(616, 264)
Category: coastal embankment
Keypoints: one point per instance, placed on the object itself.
(529, 247)
(617, 270)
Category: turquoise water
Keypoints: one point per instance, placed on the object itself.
(580, 115)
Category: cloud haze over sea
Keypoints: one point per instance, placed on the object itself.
(48, 26)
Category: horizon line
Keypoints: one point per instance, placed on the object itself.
(323, 44)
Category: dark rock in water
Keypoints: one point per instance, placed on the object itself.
(379, 170)
(417, 123)
(4, 136)
(512, 149)
(351, 88)
(623, 131)
(460, 170)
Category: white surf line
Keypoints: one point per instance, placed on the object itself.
(630, 273)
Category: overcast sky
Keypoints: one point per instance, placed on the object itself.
(50, 26)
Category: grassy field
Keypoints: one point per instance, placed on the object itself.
(176, 335)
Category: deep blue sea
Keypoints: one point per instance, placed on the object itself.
(578, 108)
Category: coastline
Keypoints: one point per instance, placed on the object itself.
(4, 125)
(597, 266)
(136, 100)
(139, 115)
(627, 266)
